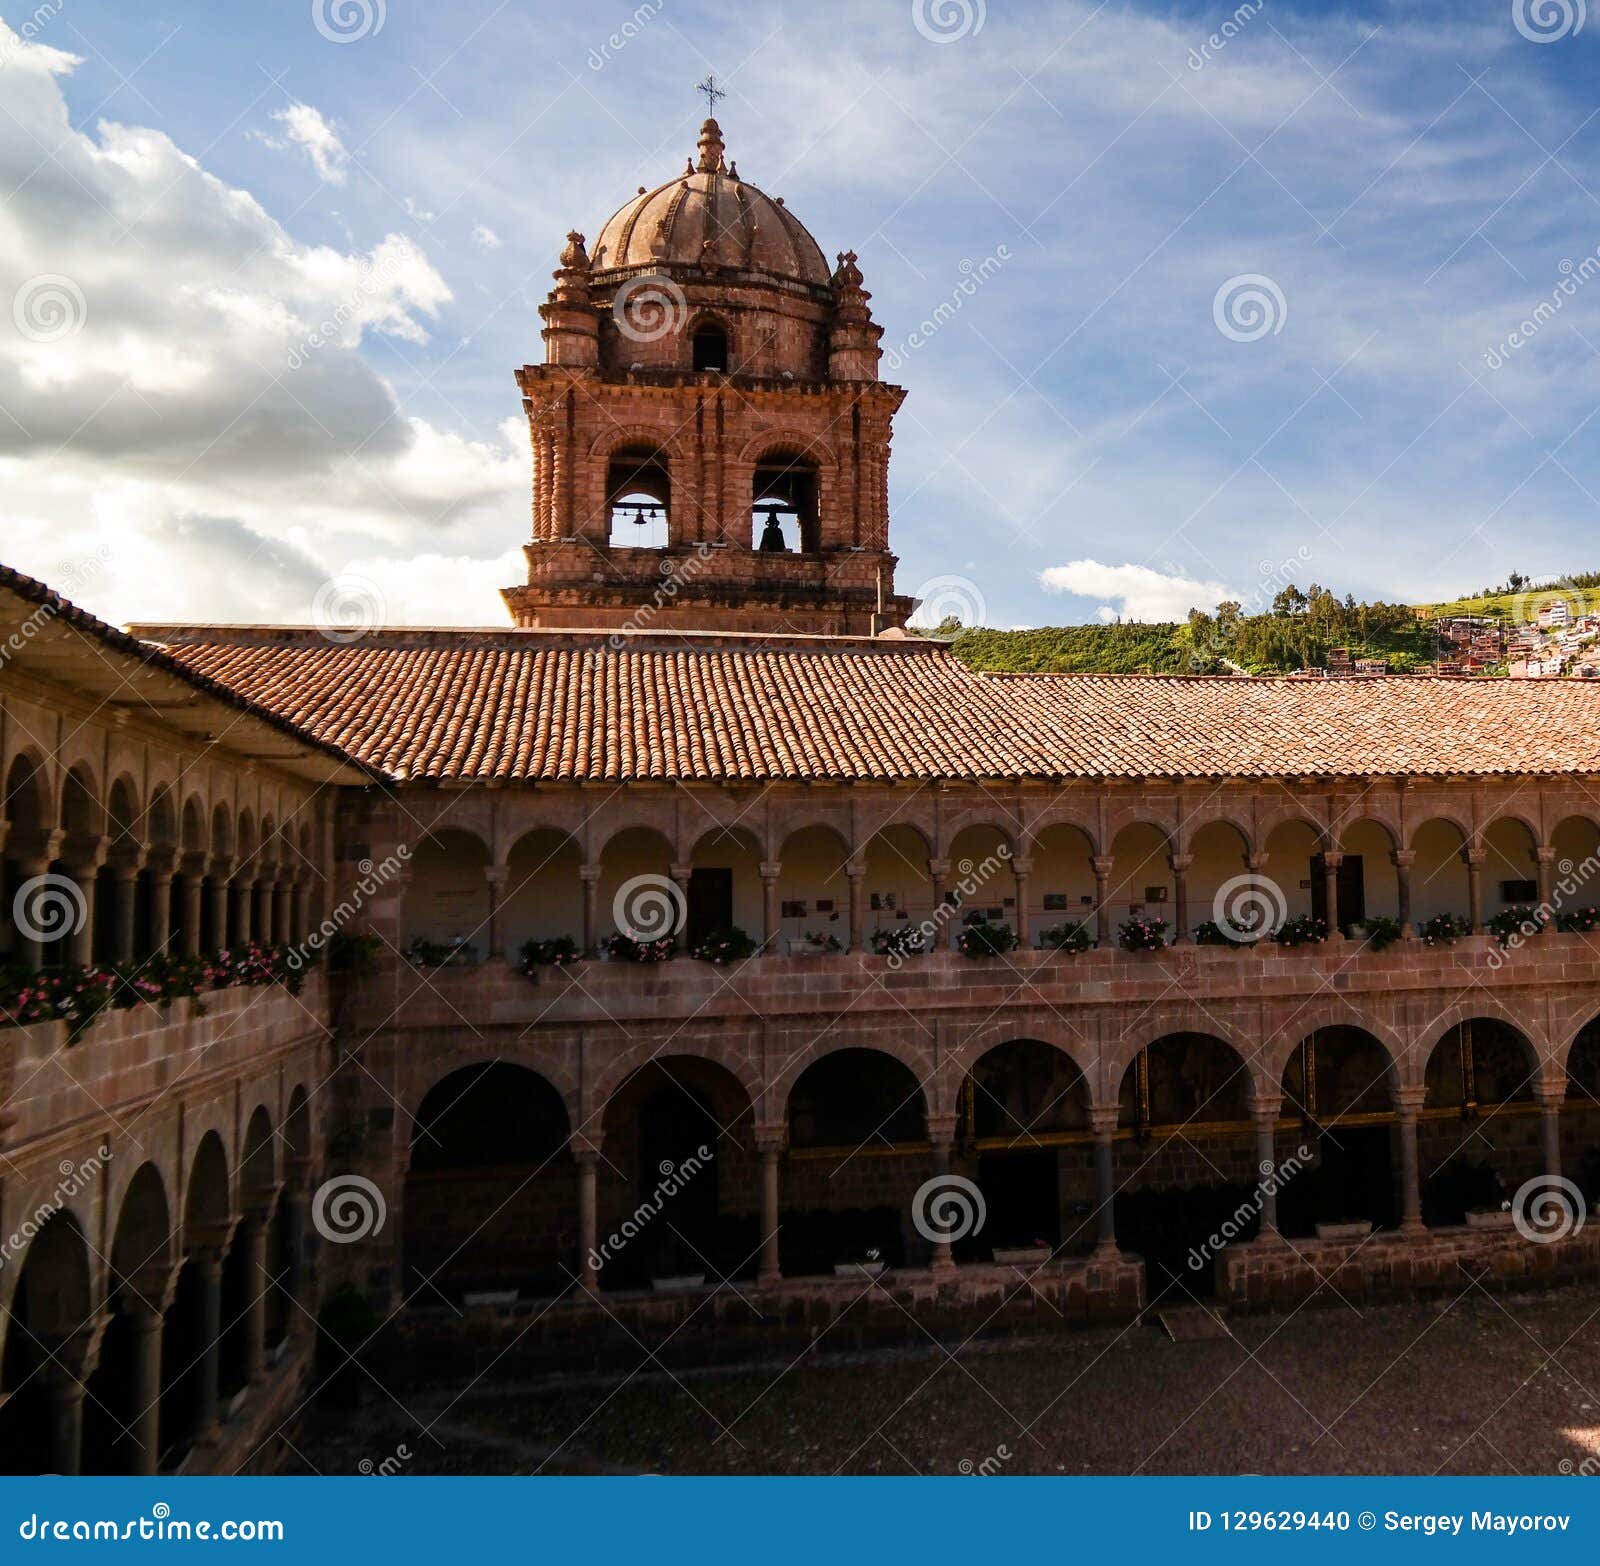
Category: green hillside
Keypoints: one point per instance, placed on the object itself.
(1298, 632)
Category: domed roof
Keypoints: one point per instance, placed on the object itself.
(709, 214)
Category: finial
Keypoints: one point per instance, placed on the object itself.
(711, 148)
(733, 171)
(574, 255)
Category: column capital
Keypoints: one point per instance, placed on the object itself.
(1332, 858)
(1103, 1119)
(1103, 864)
(1256, 862)
(1022, 865)
(1545, 854)
(1409, 1099)
(495, 875)
(770, 869)
(942, 1131)
(589, 872)
(1474, 856)
(938, 867)
(770, 1140)
(1403, 858)
(586, 1148)
(1266, 1106)
(680, 872)
(1180, 862)
(1549, 1093)
(855, 868)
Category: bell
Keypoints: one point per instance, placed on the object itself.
(772, 536)
(638, 516)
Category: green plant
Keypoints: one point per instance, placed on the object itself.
(982, 939)
(1142, 935)
(423, 953)
(556, 952)
(1301, 930)
(1582, 920)
(1442, 930)
(825, 939)
(1066, 938)
(901, 940)
(353, 951)
(724, 946)
(1381, 931)
(1209, 933)
(624, 948)
(1514, 923)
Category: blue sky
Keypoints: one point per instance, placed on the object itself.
(1090, 430)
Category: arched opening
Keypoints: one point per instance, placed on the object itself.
(899, 888)
(814, 891)
(46, 1340)
(1061, 887)
(981, 883)
(853, 1116)
(724, 886)
(1024, 1116)
(637, 896)
(1478, 1139)
(1580, 1113)
(784, 515)
(289, 1263)
(447, 902)
(122, 897)
(242, 1284)
(1510, 866)
(115, 1421)
(1338, 1085)
(1439, 882)
(28, 815)
(491, 1199)
(1369, 880)
(639, 498)
(1575, 869)
(711, 347)
(1294, 857)
(543, 891)
(185, 1394)
(1184, 1157)
(1218, 858)
(1141, 877)
(82, 859)
(678, 1192)
(215, 929)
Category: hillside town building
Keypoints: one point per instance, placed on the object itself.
(704, 955)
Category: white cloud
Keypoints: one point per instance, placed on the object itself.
(486, 238)
(200, 421)
(1133, 592)
(307, 129)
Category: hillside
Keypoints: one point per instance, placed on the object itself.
(1299, 632)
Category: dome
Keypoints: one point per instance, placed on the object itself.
(708, 214)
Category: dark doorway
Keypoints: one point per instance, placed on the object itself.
(1352, 889)
(677, 1179)
(1352, 1181)
(710, 348)
(710, 903)
(1179, 1232)
(1022, 1195)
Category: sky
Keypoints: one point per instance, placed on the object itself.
(1190, 299)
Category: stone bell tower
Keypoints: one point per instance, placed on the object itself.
(710, 436)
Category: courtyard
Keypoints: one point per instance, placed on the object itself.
(1477, 1383)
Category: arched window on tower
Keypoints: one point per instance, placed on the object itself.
(710, 347)
(784, 506)
(639, 496)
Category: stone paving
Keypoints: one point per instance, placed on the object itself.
(1475, 1384)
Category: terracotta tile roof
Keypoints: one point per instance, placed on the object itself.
(537, 707)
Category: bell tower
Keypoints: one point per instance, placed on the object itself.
(710, 437)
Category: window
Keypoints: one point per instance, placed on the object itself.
(710, 348)
(1519, 891)
(639, 494)
(784, 506)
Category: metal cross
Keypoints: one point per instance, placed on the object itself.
(713, 92)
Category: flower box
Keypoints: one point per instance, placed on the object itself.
(1021, 1255)
(864, 1269)
(1491, 1218)
(682, 1283)
(1354, 1229)
(482, 1298)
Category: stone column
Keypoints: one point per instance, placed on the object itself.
(1265, 1111)
(193, 891)
(124, 894)
(145, 1431)
(681, 876)
(241, 894)
(769, 1144)
(1408, 1100)
(1550, 1096)
(858, 880)
(771, 907)
(80, 937)
(1546, 858)
(217, 890)
(280, 912)
(208, 1265)
(590, 876)
(1404, 859)
(299, 903)
(253, 1236)
(1330, 892)
(938, 874)
(588, 1158)
(1475, 858)
(160, 909)
(1103, 1117)
(1021, 868)
(30, 952)
(64, 1392)
(941, 1134)
(1104, 934)
(1180, 897)
(495, 875)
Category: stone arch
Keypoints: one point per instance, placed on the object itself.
(618, 437)
(1011, 1104)
(725, 1057)
(82, 810)
(787, 443)
(208, 1199)
(143, 1247)
(27, 803)
(780, 1090)
(193, 838)
(1280, 1046)
(542, 896)
(221, 840)
(258, 1158)
(485, 1053)
(447, 898)
(1064, 816)
(297, 1128)
(161, 821)
(813, 887)
(1193, 1074)
(1289, 812)
(1479, 1005)
(1042, 1029)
